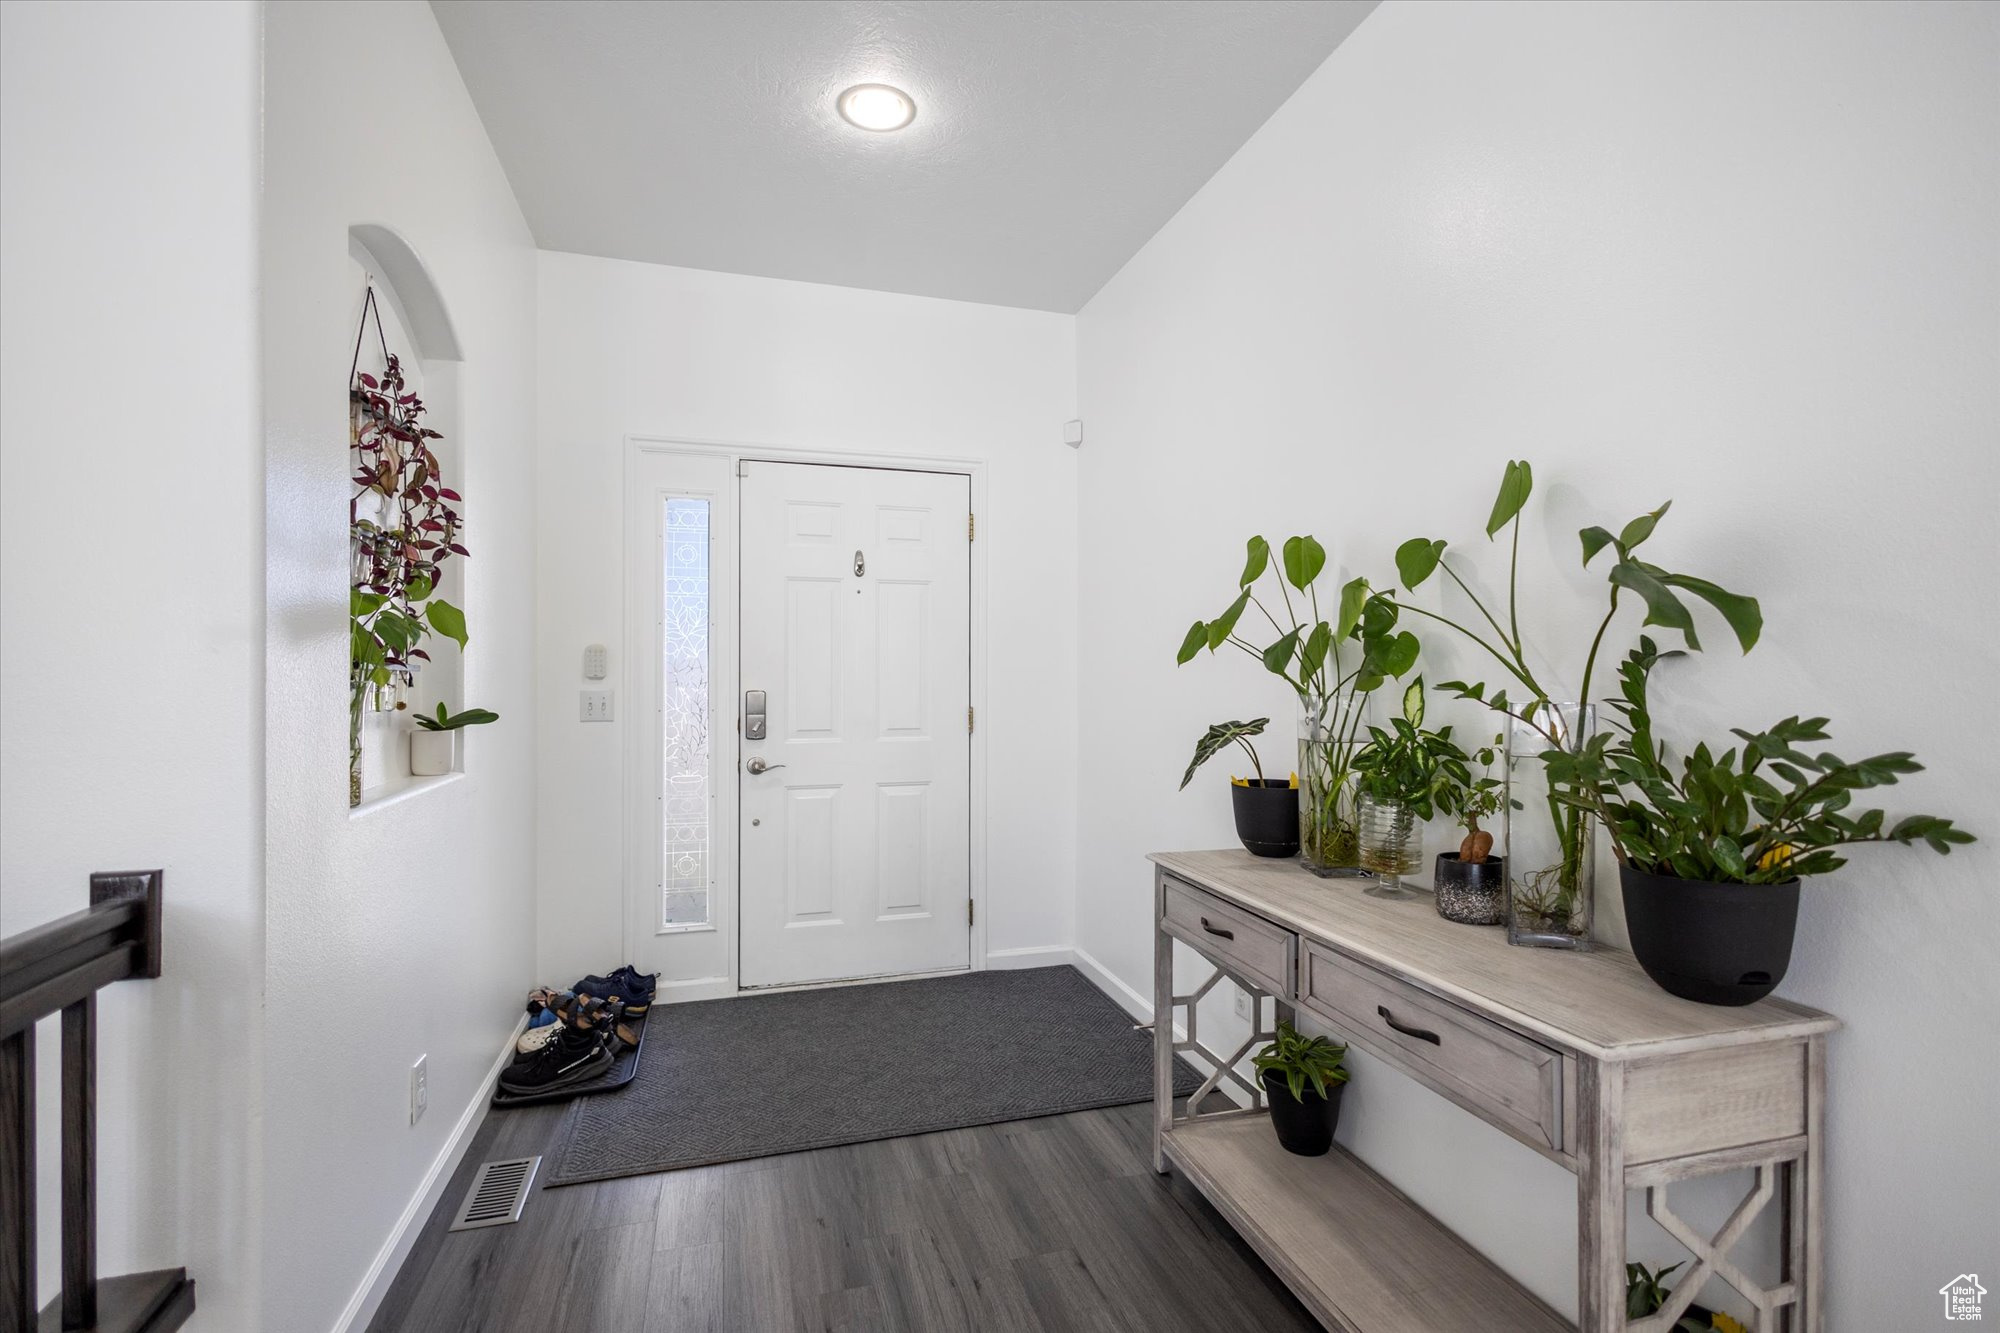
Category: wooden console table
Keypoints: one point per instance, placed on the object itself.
(1577, 1055)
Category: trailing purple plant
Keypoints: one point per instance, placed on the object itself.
(400, 543)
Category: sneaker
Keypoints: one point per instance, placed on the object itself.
(535, 1038)
(635, 989)
(575, 1055)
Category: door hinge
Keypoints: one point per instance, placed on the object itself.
(968, 911)
(971, 524)
(968, 719)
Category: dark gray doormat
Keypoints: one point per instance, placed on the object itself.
(764, 1074)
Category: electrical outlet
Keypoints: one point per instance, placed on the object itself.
(596, 705)
(1243, 1004)
(420, 1088)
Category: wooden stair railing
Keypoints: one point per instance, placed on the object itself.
(60, 967)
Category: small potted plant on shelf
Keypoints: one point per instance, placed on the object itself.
(1401, 774)
(1303, 1078)
(1471, 883)
(432, 742)
(1267, 809)
(1711, 851)
(1647, 1294)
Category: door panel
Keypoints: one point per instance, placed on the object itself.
(856, 623)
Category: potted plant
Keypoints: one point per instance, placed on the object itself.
(403, 525)
(1267, 809)
(1401, 774)
(1549, 864)
(1303, 1077)
(1331, 664)
(1711, 851)
(1646, 1294)
(431, 743)
(1471, 882)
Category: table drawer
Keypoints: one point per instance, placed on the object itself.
(1492, 1071)
(1235, 938)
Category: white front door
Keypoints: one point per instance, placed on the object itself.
(855, 802)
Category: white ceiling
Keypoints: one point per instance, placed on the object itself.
(1052, 138)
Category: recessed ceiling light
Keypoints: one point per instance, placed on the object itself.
(877, 107)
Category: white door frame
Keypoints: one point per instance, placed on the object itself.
(640, 810)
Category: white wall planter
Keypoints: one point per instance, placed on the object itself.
(431, 752)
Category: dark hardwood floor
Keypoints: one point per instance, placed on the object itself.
(1038, 1225)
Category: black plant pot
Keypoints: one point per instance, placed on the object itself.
(1714, 943)
(1304, 1127)
(1472, 893)
(1267, 816)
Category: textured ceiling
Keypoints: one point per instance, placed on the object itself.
(1051, 140)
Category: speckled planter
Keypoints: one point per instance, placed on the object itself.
(1471, 893)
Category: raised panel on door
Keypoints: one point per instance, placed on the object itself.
(855, 604)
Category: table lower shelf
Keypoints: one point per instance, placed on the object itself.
(1358, 1254)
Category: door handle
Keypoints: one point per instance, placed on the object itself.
(757, 765)
(1217, 930)
(1418, 1033)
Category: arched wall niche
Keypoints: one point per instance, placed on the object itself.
(417, 328)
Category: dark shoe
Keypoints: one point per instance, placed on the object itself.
(577, 1055)
(636, 990)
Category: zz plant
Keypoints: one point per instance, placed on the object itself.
(1332, 664)
(1762, 812)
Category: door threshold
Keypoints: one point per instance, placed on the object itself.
(776, 987)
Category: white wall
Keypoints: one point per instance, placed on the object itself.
(131, 591)
(637, 349)
(405, 930)
(1742, 256)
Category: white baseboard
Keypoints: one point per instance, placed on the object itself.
(367, 1298)
(1046, 955)
(1141, 1009)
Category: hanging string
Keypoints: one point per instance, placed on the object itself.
(368, 307)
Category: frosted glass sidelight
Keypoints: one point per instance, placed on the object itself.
(685, 709)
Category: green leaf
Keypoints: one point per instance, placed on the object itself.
(1640, 528)
(1216, 737)
(1402, 655)
(362, 603)
(1304, 559)
(1224, 625)
(1196, 640)
(1662, 607)
(1515, 485)
(1314, 654)
(1353, 597)
(1596, 539)
(419, 588)
(1417, 559)
(1279, 655)
(447, 620)
(1255, 562)
(1743, 614)
(1413, 702)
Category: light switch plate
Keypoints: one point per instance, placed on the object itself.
(420, 1088)
(596, 705)
(1243, 1004)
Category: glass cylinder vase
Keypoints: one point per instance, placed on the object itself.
(1390, 847)
(1329, 839)
(1551, 860)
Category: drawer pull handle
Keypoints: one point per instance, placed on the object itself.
(1217, 930)
(1390, 1019)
